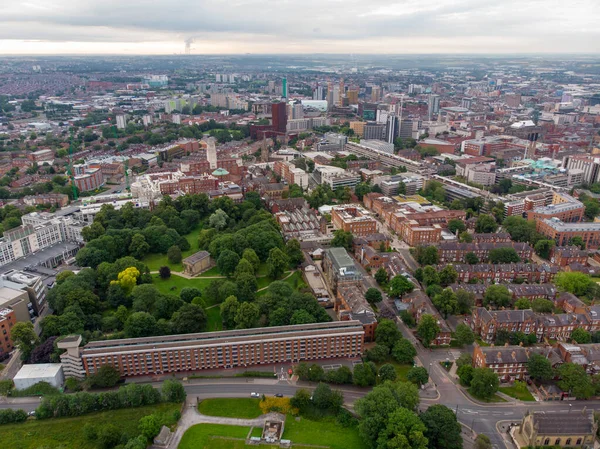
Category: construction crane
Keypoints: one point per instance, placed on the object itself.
(70, 168)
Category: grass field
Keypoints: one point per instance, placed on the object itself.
(301, 432)
(324, 433)
(215, 322)
(401, 369)
(523, 395)
(155, 261)
(67, 433)
(246, 408)
(165, 285)
(293, 281)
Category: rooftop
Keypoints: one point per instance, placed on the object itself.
(578, 423)
(38, 370)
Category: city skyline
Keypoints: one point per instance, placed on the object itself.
(331, 26)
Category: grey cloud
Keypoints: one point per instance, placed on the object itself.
(300, 21)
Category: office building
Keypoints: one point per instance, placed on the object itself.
(219, 350)
(358, 128)
(374, 131)
(29, 283)
(279, 117)
(353, 219)
(564, 207)
(391, 130)
(340, 269)
(433, 106)
(121, 121)
(562, 233)
(211, 152)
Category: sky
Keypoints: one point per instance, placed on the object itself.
(299, 26)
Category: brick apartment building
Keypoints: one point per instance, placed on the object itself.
(564, 208)
(510, 362)
(7, 321)
(353, 219)
(351, 304)
(502, 273)
(225, 349)
(567, 255)
(562, 233)
(527, 291)
(487, 323)
(456, 252)
(420, 304)
(189, 185)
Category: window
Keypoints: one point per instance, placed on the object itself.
(578, 441)
(568, 442)
(557, 442)
(546, 441)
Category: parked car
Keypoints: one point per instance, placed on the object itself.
(279, 395)
(255, 395)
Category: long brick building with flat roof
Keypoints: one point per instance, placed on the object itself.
(225, 349)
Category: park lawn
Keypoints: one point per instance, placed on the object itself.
(323, 433)
(401, 369)
(166, 285)
(246, 408)
(211, 272)
(156, 260)
(523, 395)
(293, 281)
(67, 433)
(215, 322)
(256, 432)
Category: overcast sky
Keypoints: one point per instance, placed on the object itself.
(299, 26)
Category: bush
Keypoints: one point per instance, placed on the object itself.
(39, 389)
(174, 254)
(5, 387)
(149, 426)
(10, 416)
(90, 432)
(109, 436)
(164, 272)
(73, 385)
(106, 377)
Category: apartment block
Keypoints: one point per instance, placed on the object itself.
(566, 255)
(225, 349)
(510, 362)
(340, 268)
(351, 304)
(562, 233)
(7, 320)
(564, 208)
(505, 272)
(456, 252)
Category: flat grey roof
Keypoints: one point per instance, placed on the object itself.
(39, 257)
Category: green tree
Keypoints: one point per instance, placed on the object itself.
(465, 301)
(172, 391)
(448, 275)
(378, 405)
(251, 257)
(247, 315)
(523, 304)
(387, 372)
(484, 383)
(465, 375)
(483, 442)
(377, 354)
(430, 276)
(381, 276)
(387, 333)
(164, 272)
(138, 247)
(277, 263)
(140, 324)
(426, 255)
(497, 296)
(464, 335)
(427, 329)
(541, 305)
(174, 254)
(227, 262)
(456, 225)
(404, 352)
(417, 375)
(504, 255)
(403, 430)
(465, 237)
(218, 220)
(190, 318)
(577, 241)
(24, 337)
(327, 399)
(109, 436)
(443, 431)
(187, 294)
(581, 336)
(573, 282)
(539, 367)
(293, 252)
(229, 310)
(301, 399)
(149, 426)
(520, 229)
(471, 258)
(446, 302)
(107, 376)
(373, 295)
(342, 239)
(244, 267)
(574, 379)
(364, 374)
(543, 248)
(400, 285)
(485, 224)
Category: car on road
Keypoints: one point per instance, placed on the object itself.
(31, 413)
(279, 395)
(255, 395)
